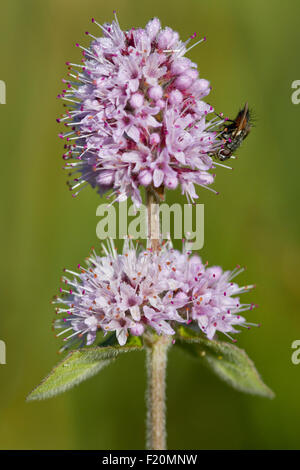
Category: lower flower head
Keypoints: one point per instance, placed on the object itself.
(140, 290)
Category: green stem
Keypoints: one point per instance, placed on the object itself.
(156, 393)
(153, 219)
(157, 347)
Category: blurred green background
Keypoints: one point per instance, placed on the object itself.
(251, 54)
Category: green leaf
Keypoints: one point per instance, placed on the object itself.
(78, 366)
(228, 361)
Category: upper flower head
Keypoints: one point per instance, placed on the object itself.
(134, 291)
(137, 115)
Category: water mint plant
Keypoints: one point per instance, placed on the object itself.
(137, 123)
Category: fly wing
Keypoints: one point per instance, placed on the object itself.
(243, 118)
(241, 122)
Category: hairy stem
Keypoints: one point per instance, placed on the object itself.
(153, 219)
(157, 347)
(156, 393)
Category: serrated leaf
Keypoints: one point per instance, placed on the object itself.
(78, 366)
(229, 362)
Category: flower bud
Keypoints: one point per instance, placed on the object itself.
(183, 82)
(137, 100)
(145, 177)
(155, 92)
(180, 65)
(137, 330)
(175, 97)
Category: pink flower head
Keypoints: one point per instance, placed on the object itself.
(137, 115)
(214, 305)
(131, 292)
